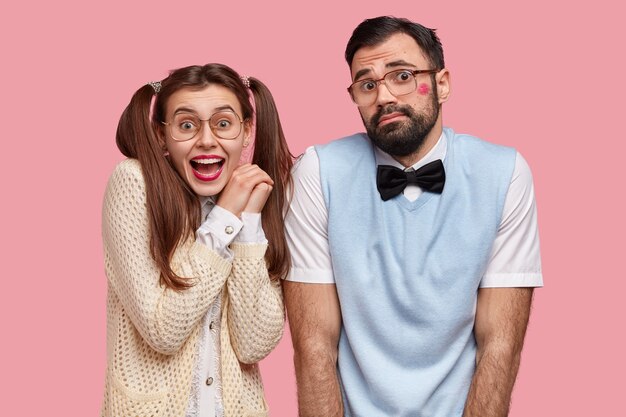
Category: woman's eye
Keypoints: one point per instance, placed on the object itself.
(186, 125)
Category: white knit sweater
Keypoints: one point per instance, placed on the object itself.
(153, 331)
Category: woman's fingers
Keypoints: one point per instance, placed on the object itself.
(237, 192)
(258, 198)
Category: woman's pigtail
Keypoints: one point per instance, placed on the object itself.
(167, 197)
(272, 155)
(134, 128)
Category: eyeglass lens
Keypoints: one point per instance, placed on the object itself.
(224, 125)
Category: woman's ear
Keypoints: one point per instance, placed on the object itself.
(247, 133)
(161, 138)
(247, 153)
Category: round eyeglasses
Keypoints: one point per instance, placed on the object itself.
(398, 82)
(185, 126)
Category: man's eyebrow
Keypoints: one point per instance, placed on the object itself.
(361, 73)
(392, 64)
(399, 63)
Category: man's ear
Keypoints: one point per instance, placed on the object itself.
(442, 79)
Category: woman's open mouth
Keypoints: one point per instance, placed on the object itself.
(207, 167)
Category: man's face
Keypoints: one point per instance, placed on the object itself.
(399, 125)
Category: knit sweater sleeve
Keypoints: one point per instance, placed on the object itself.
(255, 309)
(165, 318)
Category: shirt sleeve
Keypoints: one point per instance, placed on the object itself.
(252, 230)
(515, 259)
(306, 224)
(219, 230)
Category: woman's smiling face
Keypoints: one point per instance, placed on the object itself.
(206, 162)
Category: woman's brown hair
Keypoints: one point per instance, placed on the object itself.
(173, 208)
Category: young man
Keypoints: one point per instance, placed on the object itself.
(415, 248)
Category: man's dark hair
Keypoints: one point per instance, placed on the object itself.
(372, 32)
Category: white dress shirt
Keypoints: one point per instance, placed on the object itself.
(218, 230)
(515, 260)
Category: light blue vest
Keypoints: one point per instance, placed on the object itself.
(407, 275)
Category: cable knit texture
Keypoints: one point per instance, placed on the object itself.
(153, 332)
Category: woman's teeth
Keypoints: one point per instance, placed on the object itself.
(207, 166)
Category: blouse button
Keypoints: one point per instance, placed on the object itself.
(209, 380)
(229, 230)
(211, 326)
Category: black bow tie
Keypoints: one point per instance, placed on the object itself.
(391, 181)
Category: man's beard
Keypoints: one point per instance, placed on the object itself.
(403, 138)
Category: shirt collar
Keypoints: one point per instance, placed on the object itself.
(437, 152)
(206, 204)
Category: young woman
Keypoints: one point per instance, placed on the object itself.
(194, 300)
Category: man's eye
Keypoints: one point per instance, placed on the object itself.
(368, 85)
(403, 76)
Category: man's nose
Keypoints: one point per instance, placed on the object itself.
(384, 96)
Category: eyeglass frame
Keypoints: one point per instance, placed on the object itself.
(414, 73)
(241, 121)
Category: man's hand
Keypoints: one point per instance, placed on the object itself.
(500, 326)
(315, 323)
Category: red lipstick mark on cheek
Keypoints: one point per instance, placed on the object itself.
(423, 89)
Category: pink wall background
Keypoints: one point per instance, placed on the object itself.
(545, 77)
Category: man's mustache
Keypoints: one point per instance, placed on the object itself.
(405, 110)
